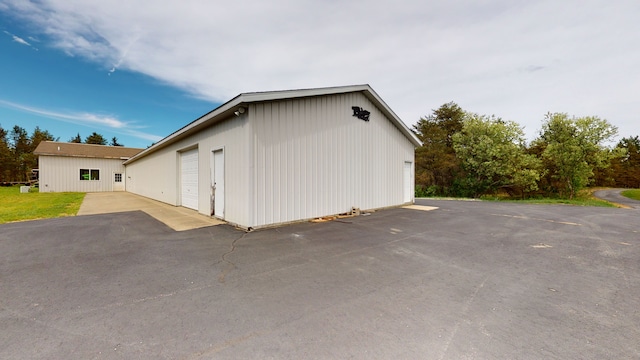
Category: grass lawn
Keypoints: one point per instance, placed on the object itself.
(575, 201)
(632, 194)
(35, 205)
(583, 198)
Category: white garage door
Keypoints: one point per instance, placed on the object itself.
(189, 178)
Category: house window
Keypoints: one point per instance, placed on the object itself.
(89, 174)
(117, 177)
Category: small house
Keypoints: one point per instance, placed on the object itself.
(82, 167)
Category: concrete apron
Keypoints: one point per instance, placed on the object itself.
(176, 217)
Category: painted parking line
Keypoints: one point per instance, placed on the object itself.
(538, 219)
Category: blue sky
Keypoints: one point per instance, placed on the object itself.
(66, 95)
(141, 69)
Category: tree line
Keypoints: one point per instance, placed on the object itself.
(470, 155)
(463, 154)
(17, 146)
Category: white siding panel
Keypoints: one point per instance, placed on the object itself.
(155, 176)
(62, 174)
(313, 158)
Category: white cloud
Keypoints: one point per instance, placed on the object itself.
(516, 59)
(20, 40)
(85, 119)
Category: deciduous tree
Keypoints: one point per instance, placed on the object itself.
(572, 148)
(492, 152)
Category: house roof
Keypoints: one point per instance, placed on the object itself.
(227, 109)
(54, 148)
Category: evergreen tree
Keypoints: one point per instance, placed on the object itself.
(114, 142)
(96, 139)
(6, 157)
(38, 135)
(19, 151)
(625, 171)
(436, 163)
(76, 139)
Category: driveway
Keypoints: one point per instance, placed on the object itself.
(176, 217)
(470, 280)
(613, 195)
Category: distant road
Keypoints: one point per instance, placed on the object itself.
(613, 195)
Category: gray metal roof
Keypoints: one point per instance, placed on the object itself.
(227, 109)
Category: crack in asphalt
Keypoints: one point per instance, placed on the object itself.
(465, 311)
(221, 277)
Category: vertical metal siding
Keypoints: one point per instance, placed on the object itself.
(62, 174)
(313, 158)
(233, 136)
(156, 176)
(289, 160)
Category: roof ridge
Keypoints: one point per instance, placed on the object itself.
(85, 144)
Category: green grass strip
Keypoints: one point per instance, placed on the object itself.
(575, 202)
(34, 205)
(632, 194)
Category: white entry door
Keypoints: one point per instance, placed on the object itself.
(217, 183)
(118, 181)
(407, 182)
(189, 179)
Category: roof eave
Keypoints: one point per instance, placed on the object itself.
(373, 96)
(83, 156)
(218, 114)
(227, 109)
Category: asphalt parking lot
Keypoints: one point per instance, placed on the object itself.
(470, 280)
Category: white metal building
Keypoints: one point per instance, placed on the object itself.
(81, 167)
(275, 157)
